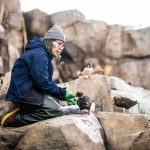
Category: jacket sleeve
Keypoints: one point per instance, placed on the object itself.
(40, 76)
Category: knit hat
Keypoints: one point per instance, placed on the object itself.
(55, 33)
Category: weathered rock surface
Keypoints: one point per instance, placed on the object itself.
(8, 56)
(96, 87)
(9, 137)
(66, 18)
(37, 23)
(113, 131)
(71, 132)
(124, 131)
(5, 81)
(12, 33)
(12, 19)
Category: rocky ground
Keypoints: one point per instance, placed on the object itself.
(105, 128)
(123, 53)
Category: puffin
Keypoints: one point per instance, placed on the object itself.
(124, 102)
(84, 102)
(86, 71)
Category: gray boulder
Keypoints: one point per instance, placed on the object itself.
(125, 131)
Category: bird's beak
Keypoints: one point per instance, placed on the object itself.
(75, 93)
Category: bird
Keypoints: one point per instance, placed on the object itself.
(86, 71)
(97, 68)
(84, 102)
(124, 102)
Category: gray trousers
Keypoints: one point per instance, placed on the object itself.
(29, 114)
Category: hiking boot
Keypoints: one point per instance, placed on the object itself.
(10, 118)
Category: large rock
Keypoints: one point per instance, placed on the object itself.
(128, 51)
(5, 84)
(135, 71)
(37, 23)
(66, 18)
(113, 47)
(96, 87)
(10, 137)
(12, 33)
(8, 57)
(141, 39)
(121, 42)
(88, 35)
(5, 106)
(71, 132)
(125, 132)
(13, 21)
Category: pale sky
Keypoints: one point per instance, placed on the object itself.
(123, 12)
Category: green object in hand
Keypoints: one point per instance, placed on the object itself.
(73, 101)
(70, 97)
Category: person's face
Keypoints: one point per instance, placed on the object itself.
(57, 48)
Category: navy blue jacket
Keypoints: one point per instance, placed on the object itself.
(31, 76)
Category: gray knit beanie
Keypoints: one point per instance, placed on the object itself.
(55, 33)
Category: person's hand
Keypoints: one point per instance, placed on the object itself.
(72, 101)
(58, 45)
(57, 50)
(70, 97)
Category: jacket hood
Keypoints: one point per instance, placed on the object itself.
(35, 43)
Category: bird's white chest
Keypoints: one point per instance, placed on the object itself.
(87, 70)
